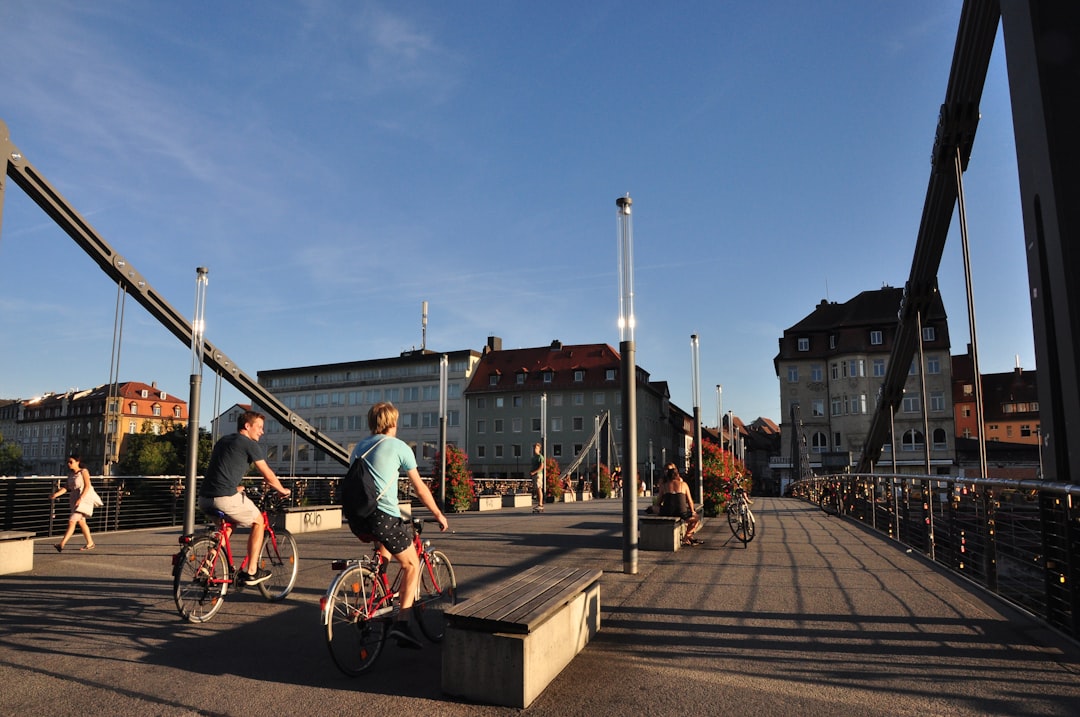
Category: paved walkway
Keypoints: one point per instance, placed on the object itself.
(815, 617)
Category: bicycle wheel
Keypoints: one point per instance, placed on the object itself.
(733, 519)
(435, 595)
(199, 580)
(282, 562)
(749, 527)
(355, 641)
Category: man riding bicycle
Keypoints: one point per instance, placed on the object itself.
(221, 490)
(386, 455)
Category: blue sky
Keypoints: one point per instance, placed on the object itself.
(335, 164)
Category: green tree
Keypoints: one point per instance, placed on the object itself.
(11, 462)
(150, 454)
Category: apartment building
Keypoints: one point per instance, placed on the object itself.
(576, 386)
(335, 398)
(1010, 403)
(93, 424)
(831, 365)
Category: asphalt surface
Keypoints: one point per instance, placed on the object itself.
(816, 616)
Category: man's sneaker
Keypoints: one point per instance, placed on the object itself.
(261, 576)
(402, 632)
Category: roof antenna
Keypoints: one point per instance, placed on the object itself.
(423, 326)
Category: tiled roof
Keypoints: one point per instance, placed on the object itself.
(561, 361)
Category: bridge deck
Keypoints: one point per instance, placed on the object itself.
(815, 617)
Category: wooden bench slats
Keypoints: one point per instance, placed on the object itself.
(519, 603)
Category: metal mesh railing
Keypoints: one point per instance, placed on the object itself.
(1019, 539)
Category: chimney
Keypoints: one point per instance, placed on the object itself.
(494, 343)
(556, 345)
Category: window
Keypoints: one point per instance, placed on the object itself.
(536, 425)
(481, 402)
(832, 341)
(133, 408)
(1025, 430)
(817, 373)
(879, 368)
(515, 425)
(428, 419)
(556, 424)
(498, 425)
(793, 374)
(518, 401)
(410, 393)
(913, 369)
(911, 404)
(156, 409)
(937, 401)
(493, 379)
(520, 379)
(579, 423)
(856, 368)
(556, 450)
(144, 393)
(177, 412)
(928, 333)
(393, 395)
(836, 440)
(834, 371)
(499, 451)
(804, 344)
(579, 376)
(913, 440)
(598, 398)
(609, 374)
(549, 376)
(515, 450)
(819, 442)
(817, 407)
(933, 364)
(499, 401)
(875, 338)
(837, 406)
(965, 412)
(941, 440)
(481, 451)
(453, 418)
(578, 399)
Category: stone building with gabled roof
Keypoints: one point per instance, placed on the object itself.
(581, 383)
(832, 364)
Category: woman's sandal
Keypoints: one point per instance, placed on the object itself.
(59, 548)
(88, 547)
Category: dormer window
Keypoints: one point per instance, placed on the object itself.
(145, 393)
(520, 378)
(133, 408)
(579, 376)
(804, 344)
(609, 374)
(493, 379)
(549, 376)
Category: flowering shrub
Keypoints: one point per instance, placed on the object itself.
(551, 478)
(460, 489)
(604, 489)
(722, 472)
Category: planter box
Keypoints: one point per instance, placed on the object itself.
(488, 502)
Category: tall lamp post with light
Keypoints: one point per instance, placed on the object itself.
(198, 330)
(629, 384)
(443, 367)
(695, 390)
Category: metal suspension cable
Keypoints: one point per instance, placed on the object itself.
(588, 446)
(962, 211)
(112, 393)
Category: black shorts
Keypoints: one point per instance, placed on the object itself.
(394, 533)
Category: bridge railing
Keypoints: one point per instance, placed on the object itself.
(1018, 539)
(133, 502)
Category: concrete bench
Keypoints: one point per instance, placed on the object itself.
(504, 645)
(16, 552)
(309, 518)
(488, 502)
(517, 500)
(660, 532)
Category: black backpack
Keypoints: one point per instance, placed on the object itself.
(359, 495)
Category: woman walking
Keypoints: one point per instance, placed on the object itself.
(82, 498)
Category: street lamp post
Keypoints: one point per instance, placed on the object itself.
(695, 389)
(198, 329)
(629, 384)
(443, 369)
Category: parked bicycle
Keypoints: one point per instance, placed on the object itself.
(203, 570)
(361, 602)
(740, 517)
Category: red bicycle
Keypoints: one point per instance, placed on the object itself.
(361, 601)
(203, 570)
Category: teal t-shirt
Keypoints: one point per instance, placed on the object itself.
(388, 460)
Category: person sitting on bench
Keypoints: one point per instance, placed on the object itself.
(676, 501)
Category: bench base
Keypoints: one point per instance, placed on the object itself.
(513, 669)
(488, 502)
(517, 500)
(660, 533)
(16, 552)
(307, 519)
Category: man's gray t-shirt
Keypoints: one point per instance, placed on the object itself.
(229, 463)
